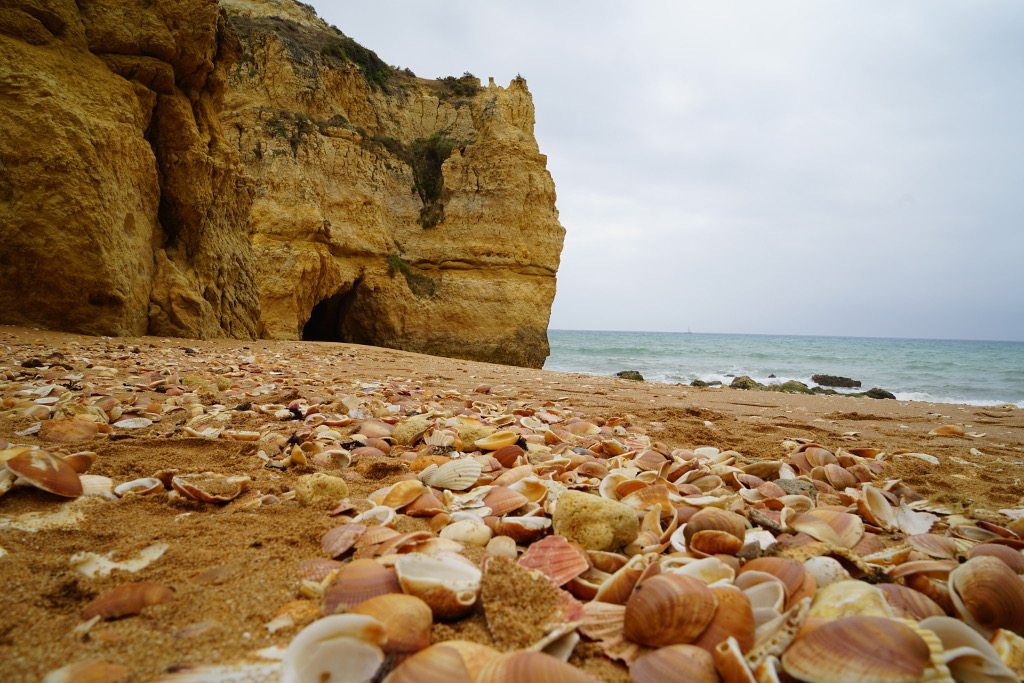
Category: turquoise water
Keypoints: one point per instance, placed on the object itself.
(947, 371)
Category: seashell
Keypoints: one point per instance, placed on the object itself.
(468, 532)
(475, 656)
(767, 594)
(847, 599)
(47, 472)
(838, 477)
(933, 545)
(875, 508)
(1012, 558)
(530, 667)
(68, 430)
(716, 519)
(377, 515)
(98, 486)
(88, 671)
(426, 505)
(447, 582)
(733, 618)
(1010, 648)
(969, 657)
(947, 430)
(317, 569)
(375, 429)
(509, 456)
(825, 570)
(617, 588)
(496, 440)
(911, 522)
(796, 580)
(503, 500)
(209, 487)
(731, 664)
(81, 461)
(400, 494)
(714, 542)
(988, 595)
(675, 663)
(556, 558)
(668, 609)
(858, 649)
(92, 565)
(336, 648)
(410, 430)
(502, 546)
(139, 487)
(340, 539)
(439, 663)
(774, 636)
(454, 475)
(707, 569)
(374, 536)
(127, 599)
(523, 529)
(358, 581)
(407, 620)
(830, 526)
(907, 603)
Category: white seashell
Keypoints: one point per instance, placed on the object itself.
(133, 423)
(91, 565)
(378, 514)
(969, 656)
(455, 475)
(468, 532)
(340, 648)
(143, 486)
(930, 459)
(710, 570)
(447, 582)
(825, 570)
(97, 485)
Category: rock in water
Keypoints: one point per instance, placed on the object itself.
(836, 381)
(878, 392)
(630, 374)
(745, 382)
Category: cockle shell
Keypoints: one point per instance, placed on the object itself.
(530, 667)
(127, 599)
(438, 663)
(858, 650)
(847, 599)
(210, 487)
(669, 609)
(988, 595)
(46, 471)
(503, 500)
(1013, 558)
(335, 649)
(340, 539)
(908, 603)
(447, 582)
(454, 475)
(357, 581)
(556, 558)
(675, 663)
(734, 617)
(407, 620)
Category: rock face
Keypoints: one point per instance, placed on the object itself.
(179, 167)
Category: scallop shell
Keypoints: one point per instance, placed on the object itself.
(127, 599)
(988, 595)
(668, 609)
(858, 649)
(340, 539)
(908, 603)
(556, 558)
(530, 667)
(340, 647)
(358, 581)
(447, 582)
(675, 663)
(830, 526)
(454, 475)
(407, 620)
(317, 569)
(46, 471)
(503, 500)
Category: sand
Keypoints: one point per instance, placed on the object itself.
(233, 567)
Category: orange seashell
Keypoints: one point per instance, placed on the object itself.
(126, 600)
(1011, 557)
(46, 471)
(358, 581)
(497, 440)
(317, 569)
(715, 542)
(523, 529)
(375, 428)
(556, 558)
(509, 455)
(858, 649)
(830, 526)
(715, 519)
(933, 545)
(406, 619)
(503, 500)
(668, 609)
(675, 663)
(530, 667)
(438, 663)
(798, 582)
(988, 595)
(81, 461)
(426, 505)
(209, 487)
(733, 618)
(908, 603)
(340, 539)
(68, 430)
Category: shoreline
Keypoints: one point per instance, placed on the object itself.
(233, 568)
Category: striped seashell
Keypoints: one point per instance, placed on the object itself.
(454, 475)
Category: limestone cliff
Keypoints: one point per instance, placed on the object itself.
(187, 169)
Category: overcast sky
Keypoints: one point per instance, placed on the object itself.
(848, 168)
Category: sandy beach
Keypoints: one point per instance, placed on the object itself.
(234, 566)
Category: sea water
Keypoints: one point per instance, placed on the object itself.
(945, 371)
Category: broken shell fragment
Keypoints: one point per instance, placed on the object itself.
(335, 649)
(139, 487)
(210, 487)
(340, 539)
(447, 582)
(126, 600)
(669, 609)
(46, 471)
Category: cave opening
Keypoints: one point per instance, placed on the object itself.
(327, 318)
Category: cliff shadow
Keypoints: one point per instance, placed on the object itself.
(326, 319)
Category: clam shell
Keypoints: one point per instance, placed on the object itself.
(357, 581)
(797, 581)
(556, 558)
(339, 647)
(1011, 557)
(502, 546)
(454, 475)
(340, 539)
(830, 526)
(523, 529)
(733, 618)
(668, 609)
(933, 545)
(438, 663)
(401, 493)
(858, 650)
(988, 595)
(127, 599)
(407, 620)
(209, 487)
(675, 663)
(46, 471)
(710, 570)
(68, 430)
(908, 603)
(426, 505)
(875, 508)
(447, 582)
(139, 487)
(969, 656)
(530, 667)
(81, 461)
(496, 440)
(467, 532)
(617, 588)
(509, 456)
(714, 542)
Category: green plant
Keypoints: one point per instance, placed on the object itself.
(420, 285)
(466, 85)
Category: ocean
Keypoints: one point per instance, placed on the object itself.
(943, 371)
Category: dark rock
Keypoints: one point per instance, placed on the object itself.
(771, 376)
(878, 392)
(702, 383)
(794, 387)
(823, 390)
(745, 382)
(32, 363)
(835, 381)
(630, 374)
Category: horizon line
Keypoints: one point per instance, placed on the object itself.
(775, 334)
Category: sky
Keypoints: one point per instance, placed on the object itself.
(786, 167)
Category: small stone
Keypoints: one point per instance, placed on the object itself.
(630, 374)
(878, 392)
(796, 487)
(320, 488)
(594, 522)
